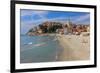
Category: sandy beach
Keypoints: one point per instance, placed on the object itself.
(75, 47)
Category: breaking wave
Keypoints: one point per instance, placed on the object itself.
(33, 45)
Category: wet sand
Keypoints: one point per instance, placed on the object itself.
(75, 47)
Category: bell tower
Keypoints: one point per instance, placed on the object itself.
(69, 24)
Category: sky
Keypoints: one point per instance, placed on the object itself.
(31, 18)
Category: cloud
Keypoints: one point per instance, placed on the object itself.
(36, 17)
(30, 12)
(32, 16)
(82, 19)
(42, 14)
(36, 22)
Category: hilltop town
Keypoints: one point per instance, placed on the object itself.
(59, 28)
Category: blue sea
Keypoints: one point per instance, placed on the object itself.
(39, 49)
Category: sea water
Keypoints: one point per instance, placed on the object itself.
(38, 49)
